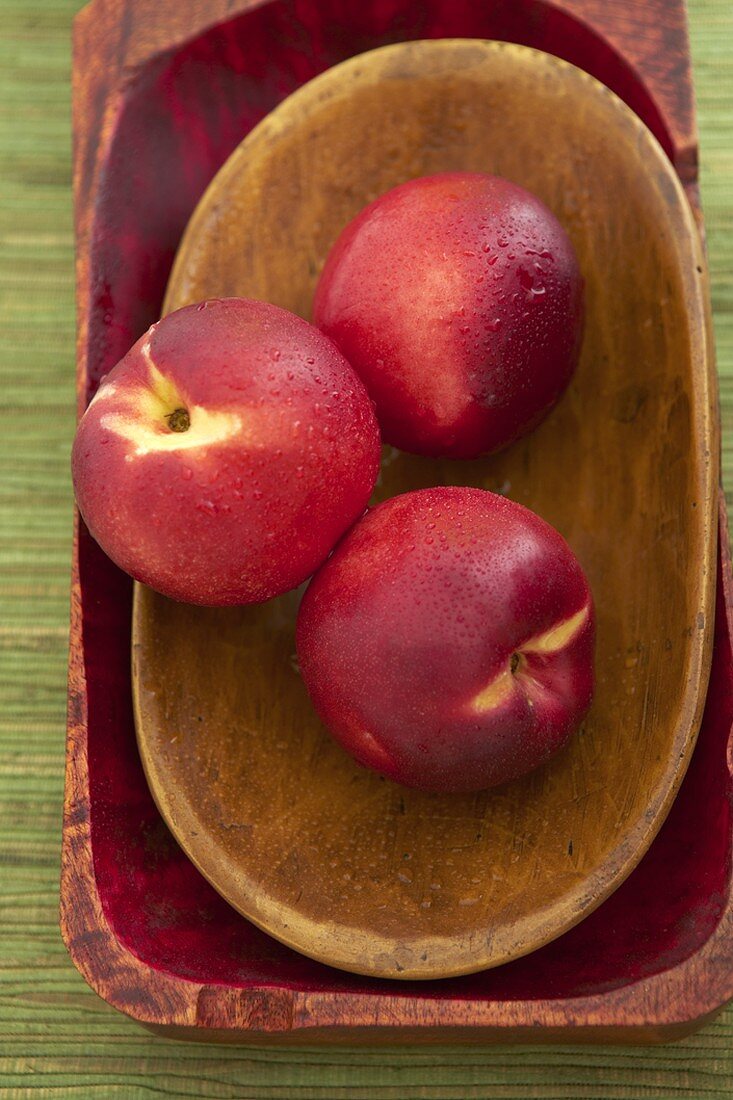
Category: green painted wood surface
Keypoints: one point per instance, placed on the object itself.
(57, 1039)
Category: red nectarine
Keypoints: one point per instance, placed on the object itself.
(448, 641)
(458, 300)
(222, 458)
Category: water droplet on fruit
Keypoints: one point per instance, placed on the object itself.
(525, 278)
(186, 473)
(257, 494)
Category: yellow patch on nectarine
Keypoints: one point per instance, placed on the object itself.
(143, 414)
(557, 637)
(495, 693)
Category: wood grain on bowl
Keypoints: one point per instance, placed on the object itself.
(334, 860)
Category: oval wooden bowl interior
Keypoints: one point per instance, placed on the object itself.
(334, 860)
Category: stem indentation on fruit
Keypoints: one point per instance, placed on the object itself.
(179, 420)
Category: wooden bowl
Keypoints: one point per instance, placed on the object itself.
(337, 862)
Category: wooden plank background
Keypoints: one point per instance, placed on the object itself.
(57, 1039)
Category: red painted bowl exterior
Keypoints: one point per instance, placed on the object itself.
(175, 87)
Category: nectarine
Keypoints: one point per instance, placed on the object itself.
(223, 457)
(458, 300)
(448, 641)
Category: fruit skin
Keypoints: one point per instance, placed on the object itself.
(458, 300)
(407, 638)
(279, 459)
